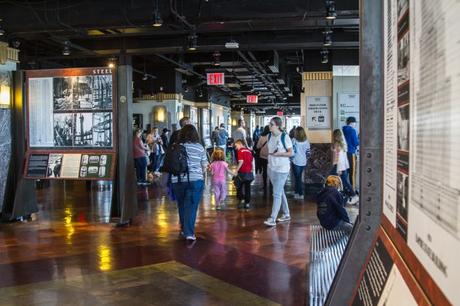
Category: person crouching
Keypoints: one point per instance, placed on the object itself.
(330, 207)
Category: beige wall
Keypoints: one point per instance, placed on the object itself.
(316, 84)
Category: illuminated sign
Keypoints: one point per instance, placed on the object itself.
(215, 78)
(279, 113)
(252, 99)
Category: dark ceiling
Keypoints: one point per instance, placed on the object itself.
(289, 30)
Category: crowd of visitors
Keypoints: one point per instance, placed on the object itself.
(271, 152)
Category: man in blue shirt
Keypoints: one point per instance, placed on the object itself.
(351, 136)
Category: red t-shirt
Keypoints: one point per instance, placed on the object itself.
(246, 156)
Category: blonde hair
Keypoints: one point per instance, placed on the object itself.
(334, 181)
(299, 134)
(218, 155)
(339, 140)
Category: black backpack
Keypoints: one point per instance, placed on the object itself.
(175, 161)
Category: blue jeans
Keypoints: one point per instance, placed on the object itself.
(141, 168)
(298, 171)
(188, 197)
(278, 180)
(345, 181)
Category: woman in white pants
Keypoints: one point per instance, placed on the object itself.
(279, 150)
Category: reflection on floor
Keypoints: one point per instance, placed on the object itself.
(69, 256)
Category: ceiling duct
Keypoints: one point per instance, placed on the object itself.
(274, 64)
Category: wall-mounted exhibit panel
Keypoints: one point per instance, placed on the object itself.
(70, 123)
(71, 108)
(421, 204)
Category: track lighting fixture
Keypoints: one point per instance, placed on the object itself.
(111, 63)
(216, 58)
(66, 49)
(327, 38)
(192, 42)
(2, 31)
(145, 77)
(157, 21)
(324, 56)
(331, 14)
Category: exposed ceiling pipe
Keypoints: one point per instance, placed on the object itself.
(172, 4)
(265, 73)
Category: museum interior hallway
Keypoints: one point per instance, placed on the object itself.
(70, 255)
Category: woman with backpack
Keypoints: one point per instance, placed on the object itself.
(279, 151)
(262, 153)
(300, 159)
(188, 181)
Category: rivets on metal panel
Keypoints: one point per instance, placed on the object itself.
(368, 213)
(368, 228)
(369, 184)
(369, 155)
(369, 170)
(369, 199)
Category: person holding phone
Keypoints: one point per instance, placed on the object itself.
(279, 151)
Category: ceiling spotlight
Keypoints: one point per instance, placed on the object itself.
(2, 31)
(157, 21)
(16, 44)
(331, 14)
(324, 56)
(216, 57)
(66, 49)
(192, 42)
(145, 77)
(111, 63)
(327, 38)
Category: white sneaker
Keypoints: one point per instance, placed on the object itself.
(296, 196)
(300, 197)
(284, 218)
(270, 222)
(191, 238)
(354, 200)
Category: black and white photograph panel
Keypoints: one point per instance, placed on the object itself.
(402, 194)
(83, 130)
(101, 88)
(63, 94)
(102, 129)
(82, 93)
(54, 166)
(403, 59)
(63, 125)
(403, 128)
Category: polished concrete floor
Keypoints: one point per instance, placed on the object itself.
(71, 255)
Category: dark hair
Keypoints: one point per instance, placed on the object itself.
(183, 121)
(222, 125)
(266, 131)
(351, 120)
(136, 131)
(188, 134)
(299, 134)
(240, 121)
(278, 122)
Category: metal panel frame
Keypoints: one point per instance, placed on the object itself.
(371, 168)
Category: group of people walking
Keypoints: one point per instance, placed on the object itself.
(276, 156)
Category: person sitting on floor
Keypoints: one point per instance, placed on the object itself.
(330, 207)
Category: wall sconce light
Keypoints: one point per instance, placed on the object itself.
(160, 114)
(234, 123)
(5, 96)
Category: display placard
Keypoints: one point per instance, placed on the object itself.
(71, 108)
(318, 112)
(70, 114)
(348, 107)
(421, 204)
(70, 166)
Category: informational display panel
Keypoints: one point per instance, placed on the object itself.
(348, 107)
(70, 114)
(318, 112)
(70, 166)
(421, 203)
(386, 280)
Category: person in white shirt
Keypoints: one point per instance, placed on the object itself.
(279, 152)
(240, 132)
(300, 159)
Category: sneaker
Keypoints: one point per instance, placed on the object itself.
(300, 197)
(284, 218)
(270, 222)
(247, 206)
(218, 207)
(181, 235)
(190, 238)
(354, 200)
(296, 196)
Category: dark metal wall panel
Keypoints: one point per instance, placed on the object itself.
(371, 182)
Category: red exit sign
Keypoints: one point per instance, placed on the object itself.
(279, 113)
(252, 99)
(216, 78)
